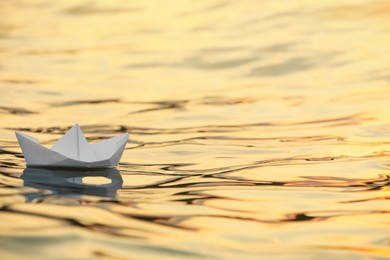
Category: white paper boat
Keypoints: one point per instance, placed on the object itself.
(73, 150)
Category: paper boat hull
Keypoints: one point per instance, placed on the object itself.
(103, 154)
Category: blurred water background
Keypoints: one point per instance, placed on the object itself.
(259, 129)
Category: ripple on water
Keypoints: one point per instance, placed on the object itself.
(258, 129)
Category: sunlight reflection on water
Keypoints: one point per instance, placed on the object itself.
(257, 129)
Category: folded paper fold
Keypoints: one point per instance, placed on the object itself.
(73, 150)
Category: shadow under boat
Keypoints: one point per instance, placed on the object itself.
(72, 181)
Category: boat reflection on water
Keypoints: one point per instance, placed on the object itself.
(96, 182)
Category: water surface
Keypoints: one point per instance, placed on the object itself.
(259, 129)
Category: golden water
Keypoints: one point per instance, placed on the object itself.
(259, 129)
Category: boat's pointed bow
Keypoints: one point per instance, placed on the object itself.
(34, 153)
(118, 152)
(20, 136)
(111, 149)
